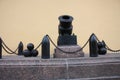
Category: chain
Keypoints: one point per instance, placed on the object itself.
(112, 49)
(38, 46)
(66, 51)
(9, 51)
(106, 46)
(6, 50)
(5, 46)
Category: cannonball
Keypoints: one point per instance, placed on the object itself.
(100, 44)
(30, 46)
(102, 51)
(34, 53)
(27, 53)
(103, 43)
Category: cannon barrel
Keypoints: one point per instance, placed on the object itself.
(65, 26)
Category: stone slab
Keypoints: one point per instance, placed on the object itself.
(73, 49)
(104, 67)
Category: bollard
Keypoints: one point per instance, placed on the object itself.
(93, 48)
(45, 48)
(0, 48)
(20, 48)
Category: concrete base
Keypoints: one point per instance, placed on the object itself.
(73, 48)
(106, 67)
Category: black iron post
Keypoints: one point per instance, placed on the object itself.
(0, 48)
(20, 48)
(45, 48)
(93, 46)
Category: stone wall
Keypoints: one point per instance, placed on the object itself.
(106, 67)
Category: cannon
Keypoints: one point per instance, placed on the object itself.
(65, 31)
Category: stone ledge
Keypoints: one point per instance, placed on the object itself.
(98, 78)
(86, 68)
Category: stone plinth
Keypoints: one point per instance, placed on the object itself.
(73, 48)
(105, 67)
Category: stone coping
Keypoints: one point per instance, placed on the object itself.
(104, 67)
(21, 60)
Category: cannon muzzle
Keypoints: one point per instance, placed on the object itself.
(65, 26)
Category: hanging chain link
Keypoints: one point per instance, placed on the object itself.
(5, 47)
(67, 51)
(106, 46)
(109, 49)
(9, 51)
(38, 46)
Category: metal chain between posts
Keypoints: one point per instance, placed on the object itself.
(109, 49)
(38, 46)
(66, 51)
(112, 49)
(106, 46)
(5, 46)
(9, 51)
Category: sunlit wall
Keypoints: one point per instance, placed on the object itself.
(29, 20)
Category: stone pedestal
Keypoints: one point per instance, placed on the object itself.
(73, 48)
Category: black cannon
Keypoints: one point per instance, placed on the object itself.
(65, 31)
(65, 26)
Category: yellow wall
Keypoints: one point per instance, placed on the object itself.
(29, 20)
